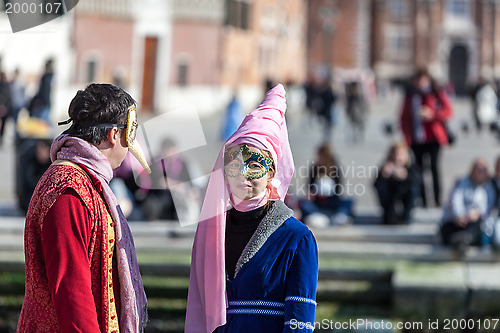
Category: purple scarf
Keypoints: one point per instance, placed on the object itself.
(133, 316)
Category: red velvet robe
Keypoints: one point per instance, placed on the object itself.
(66, 255)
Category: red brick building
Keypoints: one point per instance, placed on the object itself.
(126, 42)
(458, 40)
(338, 34)
(237, 42)
(196, 42)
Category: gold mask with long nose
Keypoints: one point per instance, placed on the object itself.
(133, 145)
(130, 132)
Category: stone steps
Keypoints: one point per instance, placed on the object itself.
(417, 241)
(408, 234)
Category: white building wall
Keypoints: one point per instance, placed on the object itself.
(111, 8)
(152, 18)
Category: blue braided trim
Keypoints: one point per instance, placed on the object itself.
(301, 299)
(270, 304)
(256, 312)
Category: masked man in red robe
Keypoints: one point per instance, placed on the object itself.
(81, 267)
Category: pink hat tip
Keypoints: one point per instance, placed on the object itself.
(278, 89)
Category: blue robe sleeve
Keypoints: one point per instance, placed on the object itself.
(300, 299)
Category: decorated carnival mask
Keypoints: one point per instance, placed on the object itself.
(132, 143)
(251, 165)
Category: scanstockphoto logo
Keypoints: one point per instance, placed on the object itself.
(26, 14)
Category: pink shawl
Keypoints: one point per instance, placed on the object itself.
(264, 128)
(133, 316)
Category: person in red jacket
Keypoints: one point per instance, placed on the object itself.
(426, 109)
(81, 269)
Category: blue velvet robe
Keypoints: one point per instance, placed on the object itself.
(274, 289)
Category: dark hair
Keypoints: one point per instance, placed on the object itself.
(49, 65)
(329, 161)
(98, 104)
(420, 72)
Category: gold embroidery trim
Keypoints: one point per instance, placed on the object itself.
(113, 317)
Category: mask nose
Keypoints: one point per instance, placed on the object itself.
(136, 150)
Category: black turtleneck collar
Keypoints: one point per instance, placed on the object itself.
(240, 226)
(243, 221)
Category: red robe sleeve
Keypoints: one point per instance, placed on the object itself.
(66, 234)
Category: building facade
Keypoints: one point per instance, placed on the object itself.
(126, 42)
(222, 47)
(196, 42)
(264, 40)
(338, 34)
(167, 53)
(457, 40)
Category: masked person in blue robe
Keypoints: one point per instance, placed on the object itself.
(254, 267)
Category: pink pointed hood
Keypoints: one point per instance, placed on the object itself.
(264, 128)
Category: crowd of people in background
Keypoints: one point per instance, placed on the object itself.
(13, 98)
(399, 186)
(320, 102)
(469, 213)
(6, 109)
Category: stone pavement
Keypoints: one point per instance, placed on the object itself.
(415, 242)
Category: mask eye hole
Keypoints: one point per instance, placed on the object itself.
(234, 164)
(233, 168)
(255, 166)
